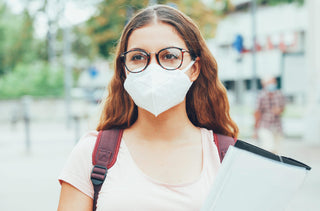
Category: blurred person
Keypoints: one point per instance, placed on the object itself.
(167, 97)
(269, 108)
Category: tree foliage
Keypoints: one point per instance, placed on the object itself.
(23, 59)
(205, 17)
(16, 39)
(228, 7)
(275, 2)
(106, 26)
(36, 79)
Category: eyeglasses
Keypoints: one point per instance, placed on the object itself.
(137, 60)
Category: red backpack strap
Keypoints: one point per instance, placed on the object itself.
(103, 157)
(223, 142)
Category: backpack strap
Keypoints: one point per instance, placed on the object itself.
(106, 151)
(103, 158)
(223, 142)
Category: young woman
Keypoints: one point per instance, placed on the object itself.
(167, 97)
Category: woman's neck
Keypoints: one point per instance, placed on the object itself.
(169, 125)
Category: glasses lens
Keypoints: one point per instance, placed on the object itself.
(170, 58)
(136, 60)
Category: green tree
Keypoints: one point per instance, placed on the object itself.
(228, 7)
(16, 39)
(23, 47)
(36, 79)
(275, 2)
(8, 32)
(82, 44)
(105, 27)
(205, 17)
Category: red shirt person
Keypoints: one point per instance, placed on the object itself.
(269, 108)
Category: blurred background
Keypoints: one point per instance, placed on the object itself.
(56, 61)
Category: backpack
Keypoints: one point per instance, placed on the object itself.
(107, 147)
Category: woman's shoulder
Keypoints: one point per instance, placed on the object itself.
(89, 136)
(87, 141)
(78, 167)
(81, 154)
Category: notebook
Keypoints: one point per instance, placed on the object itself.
(253, 179)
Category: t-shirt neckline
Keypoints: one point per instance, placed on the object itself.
(161, 183)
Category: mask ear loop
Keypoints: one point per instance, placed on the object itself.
(188, 67)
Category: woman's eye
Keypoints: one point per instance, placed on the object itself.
(137, 57)
(170, 56)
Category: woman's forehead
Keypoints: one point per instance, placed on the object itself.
(154, 37)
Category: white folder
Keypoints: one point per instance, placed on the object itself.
(252, 179)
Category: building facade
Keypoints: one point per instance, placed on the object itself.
(280, 46)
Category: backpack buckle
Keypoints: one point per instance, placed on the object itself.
(98, 174)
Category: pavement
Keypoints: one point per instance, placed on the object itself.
(28, 178)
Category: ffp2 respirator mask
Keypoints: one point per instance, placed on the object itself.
(156, 89)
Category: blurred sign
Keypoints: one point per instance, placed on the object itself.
(238, 43)
(96, 76)
(93, 72)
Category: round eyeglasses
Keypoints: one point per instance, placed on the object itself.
(137, 60)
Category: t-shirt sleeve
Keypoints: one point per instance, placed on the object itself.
(78, 167)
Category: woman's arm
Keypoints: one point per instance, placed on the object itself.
(73, 199)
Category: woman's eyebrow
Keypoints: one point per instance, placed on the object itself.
(133, 49)
(141, 49)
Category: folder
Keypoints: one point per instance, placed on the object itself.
(253, 179)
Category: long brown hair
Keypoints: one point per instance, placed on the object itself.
(206, 102)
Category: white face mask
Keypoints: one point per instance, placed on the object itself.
(271, 87)
(156, 89)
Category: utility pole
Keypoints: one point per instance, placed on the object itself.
(253, 52)
(26, 108)
(67, 73)
(66, 62)
(51, 37)
(52, 9)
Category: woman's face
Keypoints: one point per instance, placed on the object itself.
(156, 36)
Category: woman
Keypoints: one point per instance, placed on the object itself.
(167, 97)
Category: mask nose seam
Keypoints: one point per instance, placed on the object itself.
(154, 103)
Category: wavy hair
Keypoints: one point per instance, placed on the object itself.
(206, 101)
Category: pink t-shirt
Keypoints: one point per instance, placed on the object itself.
(128, 188)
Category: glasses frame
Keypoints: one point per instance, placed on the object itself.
(123, 56)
